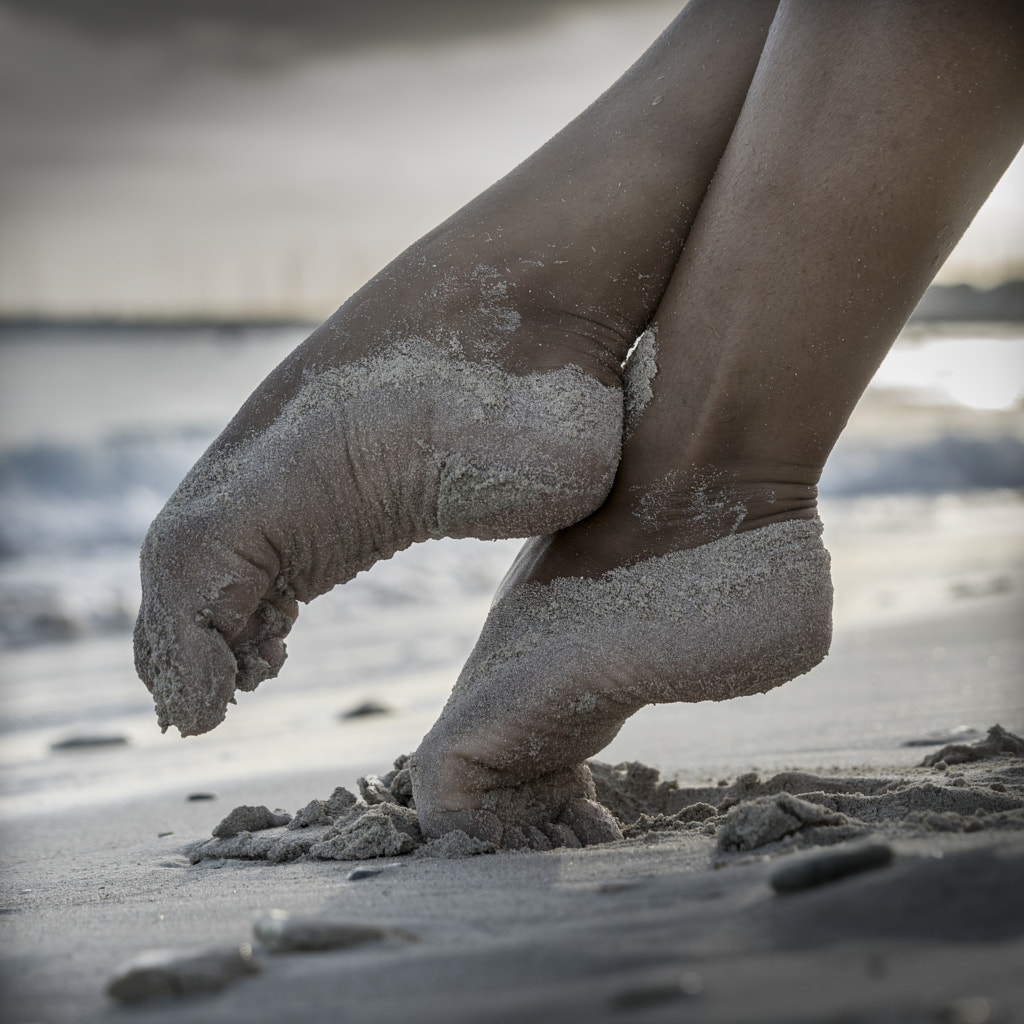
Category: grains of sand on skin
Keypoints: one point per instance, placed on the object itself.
(515, 456)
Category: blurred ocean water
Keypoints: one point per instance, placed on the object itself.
(923, 505)
(97, 428)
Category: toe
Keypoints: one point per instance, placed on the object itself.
(477, 824)
(590, 822)
(514, 838)
(536, 838)
(562, 836)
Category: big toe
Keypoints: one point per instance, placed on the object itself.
(211, 622)
(189, 669)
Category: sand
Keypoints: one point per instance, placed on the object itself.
(787, 811)
(638, 380)
(909, 906)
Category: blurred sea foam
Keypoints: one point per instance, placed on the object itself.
(98, 428)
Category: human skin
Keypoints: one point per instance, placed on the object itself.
(871, 134)
(419, 396)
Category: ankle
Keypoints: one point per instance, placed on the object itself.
(677, 511)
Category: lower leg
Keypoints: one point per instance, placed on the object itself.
(870, 137)
(471, 388)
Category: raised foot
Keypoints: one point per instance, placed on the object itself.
(361, 460)
(560, 666)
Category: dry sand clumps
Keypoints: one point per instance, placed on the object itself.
(959, 789)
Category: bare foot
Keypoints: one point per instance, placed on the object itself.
(703, 576)
(470, 389)
(563, 660)
(380, 431)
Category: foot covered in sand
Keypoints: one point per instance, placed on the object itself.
(562, 662)
(467, 414)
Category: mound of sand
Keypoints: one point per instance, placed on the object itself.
(961, 788)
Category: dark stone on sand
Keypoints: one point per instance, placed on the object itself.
(830, 866)
(361, 873)
(280, 932)
(998, 742)
(937, 739)
(365, 710)
(972, 1010)
(250, 819)
(89, 742)
(657, 991)
(201, 796)
(171, 972)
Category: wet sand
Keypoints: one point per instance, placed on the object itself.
(679, 919)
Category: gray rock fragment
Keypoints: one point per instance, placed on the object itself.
(807, 872)
(280, 932)
(178, 972)
(250, 819)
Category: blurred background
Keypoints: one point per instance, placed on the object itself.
(240, 159)
(186, 187)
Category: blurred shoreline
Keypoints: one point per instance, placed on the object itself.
(941, 303)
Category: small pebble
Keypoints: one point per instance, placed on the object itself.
(360, 873)
(177, 972)
(972, 1010)
(658, 991)
(610, 887)
(282, 933)
(89, 742)
(830, 866)
(366, 709)
(943, 737)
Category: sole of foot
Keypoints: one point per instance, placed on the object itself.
(362, 459)
(560, 666)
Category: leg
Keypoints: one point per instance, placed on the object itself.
(871, 135)
(470, 389)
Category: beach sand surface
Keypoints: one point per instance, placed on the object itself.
(668, 925)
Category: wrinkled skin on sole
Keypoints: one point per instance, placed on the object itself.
(560, 666)
(362, 461)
